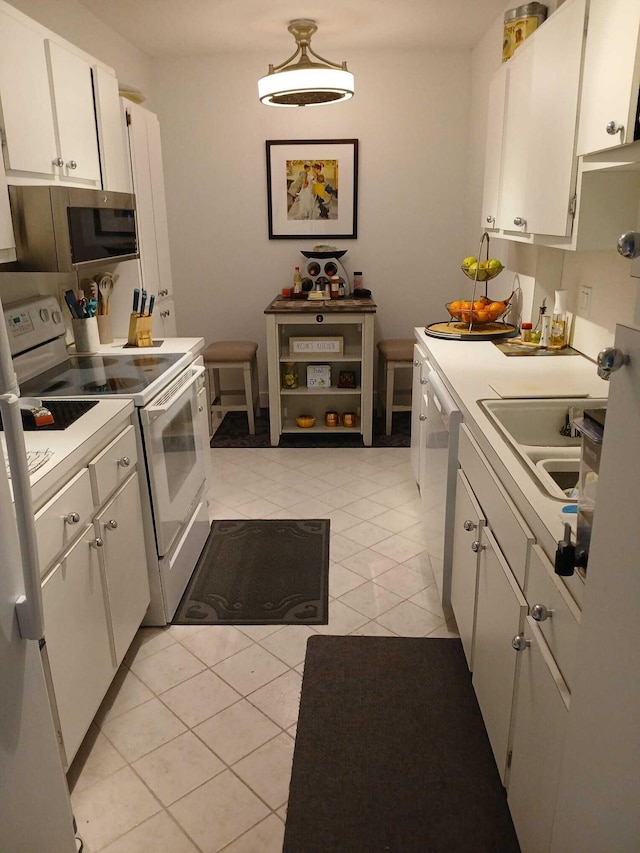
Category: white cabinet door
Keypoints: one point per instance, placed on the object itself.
(76, 625)
(493, 151)
(27, 112)
(7, 240)
(500, 613)
(120, 528)
(539, 164)
(75, 114)
(114, 148)
(611, 76)
(469, 521)
(540, 721)
(164, 320)
(418, 416)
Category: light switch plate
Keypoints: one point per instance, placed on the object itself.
(584, 301)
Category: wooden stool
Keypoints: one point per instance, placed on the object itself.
(232, 354)
(393, 353)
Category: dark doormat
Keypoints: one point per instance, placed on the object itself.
(234, 432)
(271, 572)
(391, 753)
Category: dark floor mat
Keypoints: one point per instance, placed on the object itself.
(273, 572)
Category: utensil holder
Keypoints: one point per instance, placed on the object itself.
(140, 331)
(104, 328)
(85, 333)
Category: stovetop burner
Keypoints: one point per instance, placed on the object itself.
(65, 413)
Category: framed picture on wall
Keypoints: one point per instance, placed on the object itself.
(312, 188)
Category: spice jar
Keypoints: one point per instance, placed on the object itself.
(290, 375)
(331, 419)
(526, 330)
(508, 39)
(530, 16)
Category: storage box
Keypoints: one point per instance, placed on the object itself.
(325, 345)
(318, 376)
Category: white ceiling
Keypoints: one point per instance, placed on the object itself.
(191, 27)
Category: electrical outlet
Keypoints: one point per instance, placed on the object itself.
(584, 301)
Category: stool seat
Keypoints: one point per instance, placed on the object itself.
(241, 355)
(393, 354)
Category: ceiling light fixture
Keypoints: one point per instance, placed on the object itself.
(305, 83)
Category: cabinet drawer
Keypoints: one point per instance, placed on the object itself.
(560, 628)
(508, 526)
(113, 465)
(63, 518)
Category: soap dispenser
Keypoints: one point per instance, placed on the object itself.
(558, 333)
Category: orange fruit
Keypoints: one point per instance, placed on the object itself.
(478, 305)
(481, 316)
(455, 308)
(495, 309)
(466, 306)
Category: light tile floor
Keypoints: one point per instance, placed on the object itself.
(192, 747)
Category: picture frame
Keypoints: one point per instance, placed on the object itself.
(312, 189)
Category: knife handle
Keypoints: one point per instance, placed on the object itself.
(143, 303)
(152, 300)
(136, 299)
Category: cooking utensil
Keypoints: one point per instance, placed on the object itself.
(72, 302)
(105, 286)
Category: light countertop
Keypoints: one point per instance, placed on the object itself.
(192, 345)
(469, 369)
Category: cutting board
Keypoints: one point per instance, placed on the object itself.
(513, 387)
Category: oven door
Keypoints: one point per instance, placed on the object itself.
(175, 452)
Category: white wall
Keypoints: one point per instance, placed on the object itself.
(411, 117)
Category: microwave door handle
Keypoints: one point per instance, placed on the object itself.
(151, 412)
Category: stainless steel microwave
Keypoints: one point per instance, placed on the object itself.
(61, 229)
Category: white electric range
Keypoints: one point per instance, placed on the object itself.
(166, 385)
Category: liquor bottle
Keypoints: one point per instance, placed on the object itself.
(297, 282)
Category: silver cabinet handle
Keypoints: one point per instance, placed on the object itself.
(200, 409)
(124, 462)
(477, 546)
(491, 219)
(58, 161)
(629, 244)
(520, 642)
(609, 360)
(72, 518)
(540, 613)
(112, 524)
(422, 417)
(519, 221)
(97, 542)
(416, 364)
(469, 525)
(424, 381)
(613, 127)
(72, 164)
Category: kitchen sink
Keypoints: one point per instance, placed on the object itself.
(541, 434)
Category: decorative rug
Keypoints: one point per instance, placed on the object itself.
(391, 753)
(273, 572)
(234, 432)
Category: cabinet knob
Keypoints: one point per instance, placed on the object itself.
(72, 164)
(124, 462)
(422, 417)
(519, 221)
(469, 525)
(58, 161)
(609, 360)
(200, 409)
(477, 546)
(613, 127)
(540, 613)
(72, 518)
(416, 364)
(97, 542)
(112, 524)
(490, 219)
(424, 381)
(520, 642)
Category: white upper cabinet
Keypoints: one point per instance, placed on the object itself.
(538, 160)
(60, 110)
(611, 76)
(7, 240)
(493, 151)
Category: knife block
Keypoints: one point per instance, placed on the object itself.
(140, 331)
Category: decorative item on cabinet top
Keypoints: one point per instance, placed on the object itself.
(323, 346)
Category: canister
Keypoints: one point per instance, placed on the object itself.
(529, 18)
(510, 18)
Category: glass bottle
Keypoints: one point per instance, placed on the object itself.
(290, 375)
(297, 282)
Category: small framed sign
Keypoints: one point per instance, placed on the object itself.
(312, 346)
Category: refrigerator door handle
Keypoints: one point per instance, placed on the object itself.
(28, 605)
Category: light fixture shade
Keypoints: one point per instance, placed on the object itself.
(305, 83)
(310, 87)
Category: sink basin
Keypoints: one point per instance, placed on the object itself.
(534, 430)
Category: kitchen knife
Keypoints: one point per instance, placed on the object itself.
(143, 303)
(72, 302)
(136, 299)
(152, 300)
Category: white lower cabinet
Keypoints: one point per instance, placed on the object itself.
(469, 521)
(541, 710)
(418, 414)
(95, 587)
(76, 622)
(500, 612)
(120, 528)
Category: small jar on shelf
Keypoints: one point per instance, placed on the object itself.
(290, 375)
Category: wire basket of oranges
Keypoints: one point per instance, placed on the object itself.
(479, 312)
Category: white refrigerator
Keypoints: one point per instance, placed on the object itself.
(35, 810)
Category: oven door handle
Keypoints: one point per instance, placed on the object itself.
(175, 391)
